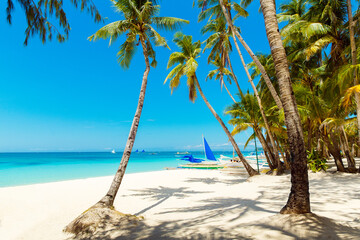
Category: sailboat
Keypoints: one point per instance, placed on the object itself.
(209, 162)
(113, 151)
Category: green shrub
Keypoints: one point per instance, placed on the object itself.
(316, 162)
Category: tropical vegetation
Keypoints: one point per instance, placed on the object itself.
(140, 18)
(304, 109)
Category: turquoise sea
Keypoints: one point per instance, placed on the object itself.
(29, 168)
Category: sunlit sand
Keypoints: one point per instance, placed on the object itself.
(179, 204)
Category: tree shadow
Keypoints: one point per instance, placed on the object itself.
(163, 231)
(223, 218)
(215, 208)
(306, 226)
(161, 194)
(211, 181)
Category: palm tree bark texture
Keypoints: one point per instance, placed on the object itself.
(109, 198)
(354, 62)
(299, 198)
(248, 168)
(270, 86)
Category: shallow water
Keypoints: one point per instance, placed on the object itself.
(29, 168)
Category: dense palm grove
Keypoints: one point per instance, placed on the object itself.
(317, 42)
(304, 108)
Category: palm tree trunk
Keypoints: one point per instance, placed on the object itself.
(229, 92)
(287, 165)
(275, 152)
(349, 157)
(232, 71)
(272, 162)
(252, 55)
(335, 152)
(309, 135)
(108, 199)
(354, 62)
(248, 168)
(299, 198)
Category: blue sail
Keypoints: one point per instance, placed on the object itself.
(208, 153)
(191, 159)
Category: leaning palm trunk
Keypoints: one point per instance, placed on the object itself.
(109, 198)
(299, 198)
(248, 168)
(264, 144)
(334, 151)
(232, 72)
(91, 218)
(354, 62)
(275, 151)
(252, 55)
(227, 90)
(348, 155)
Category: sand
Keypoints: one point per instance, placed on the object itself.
(187, 204)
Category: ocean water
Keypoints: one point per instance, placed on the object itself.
(29, 168)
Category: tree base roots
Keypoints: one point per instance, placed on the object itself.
(294, 210)
(98, 218)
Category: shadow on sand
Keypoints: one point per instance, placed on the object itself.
(308, 226)
(222, 218)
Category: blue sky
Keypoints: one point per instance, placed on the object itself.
(75, 97)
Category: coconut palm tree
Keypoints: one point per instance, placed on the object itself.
(226, 10)
(187, 66)
(354, 60)
(140, 17)
(222, 9)
(41, 15)
(292, 11)
(219, 73)
(219, 42)
(246, 114)
(299, 198)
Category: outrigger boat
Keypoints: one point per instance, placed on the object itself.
(209, 162)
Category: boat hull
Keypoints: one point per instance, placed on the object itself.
(201, 166)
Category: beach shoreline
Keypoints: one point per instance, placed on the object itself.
(186, 203)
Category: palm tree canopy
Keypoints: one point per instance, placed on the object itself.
(38, 13)
(139, 18)
(186, 63)
(211, 9)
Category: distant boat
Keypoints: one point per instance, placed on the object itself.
(137, 150)
(143, 150)
(182, 153)
(209, 162)
(113, 151)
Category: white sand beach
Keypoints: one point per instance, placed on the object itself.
(187, 204)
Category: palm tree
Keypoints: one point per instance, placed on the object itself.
(354, 60)
(222, 45)
(245, 114)
(222, 9)
(292, 11)
(299, 198)
(187, 66)
(219, 42)
(38, 13)
(226, 10)
(219, 74)
(140, 17)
